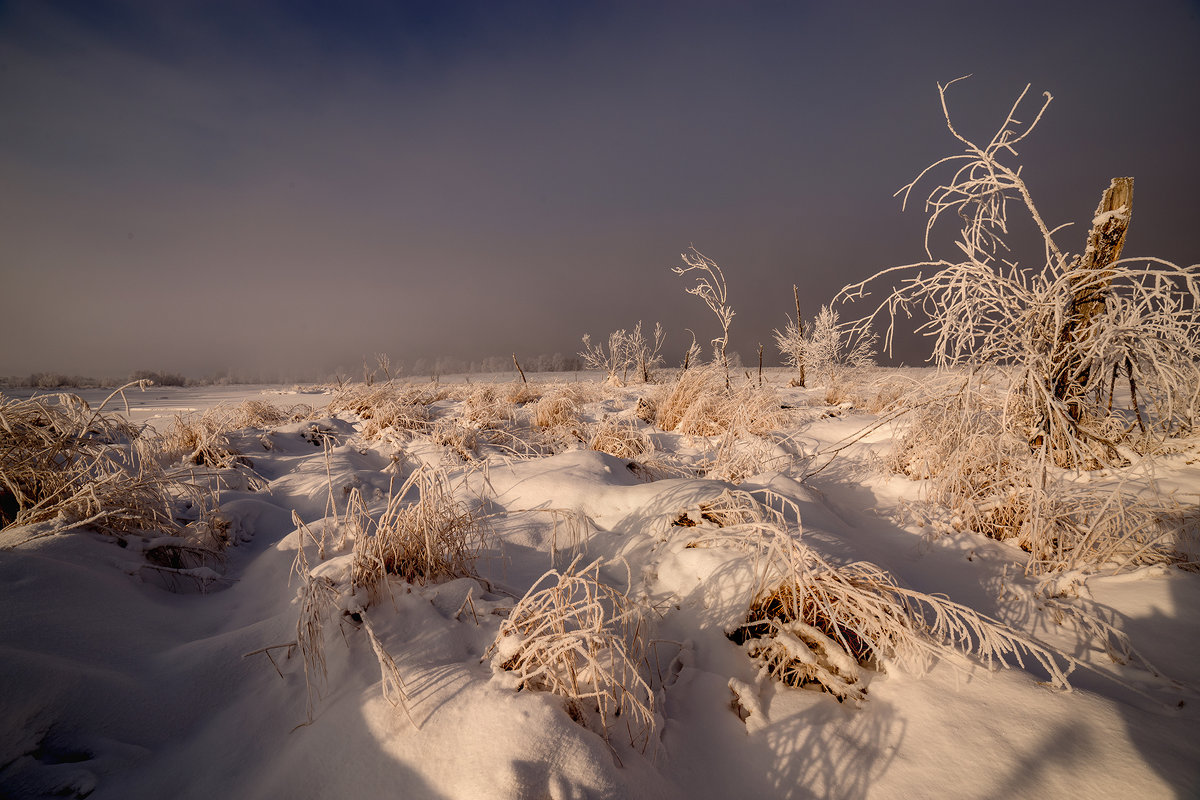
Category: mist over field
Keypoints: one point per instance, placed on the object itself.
(283, 189)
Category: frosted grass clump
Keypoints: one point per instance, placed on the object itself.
(811, 622)
(582, 640)
(435, 538)
(64, 465)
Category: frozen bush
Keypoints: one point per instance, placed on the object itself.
(1059, 334)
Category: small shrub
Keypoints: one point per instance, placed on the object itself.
(625, 350)
(834, 352)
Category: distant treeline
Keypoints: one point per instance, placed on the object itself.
(544, 362)
(417, 369)
(58, 380)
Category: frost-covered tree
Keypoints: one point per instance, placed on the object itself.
(831, 350)
(790, 340)
(1039, 347)
(1069, 326)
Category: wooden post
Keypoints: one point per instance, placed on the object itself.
(519, 369)
(760, 364)
(799, 329)
(1091, 279)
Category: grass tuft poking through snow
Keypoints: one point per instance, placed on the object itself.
(435, 538)
(983, 476)
(64, 465)
(582, 640)
(811, 622)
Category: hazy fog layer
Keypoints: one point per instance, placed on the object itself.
(285, 187)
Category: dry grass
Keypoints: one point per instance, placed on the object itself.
(585, 642)
(624, 439)
(558, 408)
(698, 403)
(621, 439)
(484, 406)
(317, 598)
(522, 393)
(460, 439)
(877, 394)
(66, 465)
(203, 440)
(430, 539)
(434, 538)
(991, 481)
(383, 408)
(199, 440)
(811, 622)
(824, 624)
(693, 402)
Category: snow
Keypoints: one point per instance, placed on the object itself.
(1105, 217)
(115, 687)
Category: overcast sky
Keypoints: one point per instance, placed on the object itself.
(283, 187)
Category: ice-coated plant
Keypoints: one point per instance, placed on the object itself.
(1069, 325)
(576, 637)
(625, 350)
(813, 622)
(1054, 337)
(711, 288)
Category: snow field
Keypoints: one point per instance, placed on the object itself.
(116, 687)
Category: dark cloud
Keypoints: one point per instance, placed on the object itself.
(289, 186)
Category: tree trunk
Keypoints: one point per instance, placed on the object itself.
(1090, 281)
(1090, 277)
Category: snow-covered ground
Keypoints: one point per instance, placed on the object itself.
(113, 686)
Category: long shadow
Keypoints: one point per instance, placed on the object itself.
(1065, 744)
(1161, 721)
(1167, 734)
(832, 752)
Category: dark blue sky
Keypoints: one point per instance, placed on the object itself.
(286, 186)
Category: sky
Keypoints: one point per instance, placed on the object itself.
(282, 188)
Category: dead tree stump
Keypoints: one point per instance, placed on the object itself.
(1090, 281)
